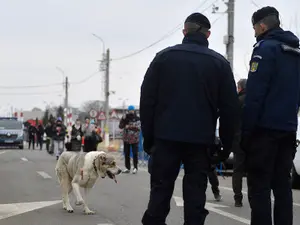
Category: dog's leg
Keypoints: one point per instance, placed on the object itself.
(85, 205)
(59, 177)
(61, 183)
(79, 200)
(66, 189)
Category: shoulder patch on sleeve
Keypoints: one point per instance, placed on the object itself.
(287, 48)
(254, 66)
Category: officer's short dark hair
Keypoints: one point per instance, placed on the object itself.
(271, 21)
(197, 22)
(194, 28)
(268, 16)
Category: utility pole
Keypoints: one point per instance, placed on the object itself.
(66, 99)
(229, 37)
(230, 31)
(107, 92)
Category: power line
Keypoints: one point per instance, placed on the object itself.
(171, 32)
(85, 79)
(30, 86)
(49, 85)
(34, 93)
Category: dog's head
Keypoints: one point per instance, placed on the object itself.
(107, 166)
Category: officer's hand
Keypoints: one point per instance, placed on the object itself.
(148, 146)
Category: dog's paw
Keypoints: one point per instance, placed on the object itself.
(89, 212)
(78, 202)
(70, 210)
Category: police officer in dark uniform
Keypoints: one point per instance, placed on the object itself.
(270, 118)
(184, 88)
(238, 153)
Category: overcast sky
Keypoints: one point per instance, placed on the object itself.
(36, 36)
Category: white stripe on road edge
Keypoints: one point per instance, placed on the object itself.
(2, 152)
(244, 192)
(13, 209)
(24, 159)
(44, 175)
(212, 207)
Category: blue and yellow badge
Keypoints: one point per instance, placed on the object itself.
(254, 66)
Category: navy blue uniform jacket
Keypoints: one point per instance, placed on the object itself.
(273, 86)
(185, 89)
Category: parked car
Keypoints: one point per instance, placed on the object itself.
(11, 133)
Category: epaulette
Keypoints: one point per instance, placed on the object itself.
(258, 44)
(287, 48)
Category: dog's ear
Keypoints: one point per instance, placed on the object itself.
(103, 157)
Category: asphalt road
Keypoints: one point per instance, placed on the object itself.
(30, 195)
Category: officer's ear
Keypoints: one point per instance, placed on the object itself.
(207, 34)
(184, 32)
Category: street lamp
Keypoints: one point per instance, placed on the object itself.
(124, 103)
(103, 43)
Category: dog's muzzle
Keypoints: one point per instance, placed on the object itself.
(112, 175)
(119, 171)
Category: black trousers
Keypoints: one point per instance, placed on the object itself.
(40, 142)
(214, 181)
(166, 161)
(239, 157)
(269, 160)
(48, 142)
(135, 149)
(31, 141)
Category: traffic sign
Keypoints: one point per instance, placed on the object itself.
(114, 114)
(93, 113)
(101, 116)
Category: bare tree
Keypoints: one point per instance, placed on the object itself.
(92, 104)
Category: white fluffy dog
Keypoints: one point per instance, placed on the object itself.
(75, 170)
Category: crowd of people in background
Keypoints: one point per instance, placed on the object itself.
(85, 137)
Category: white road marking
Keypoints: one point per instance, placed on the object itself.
(244, 192)
(44, 175)
(9, 210)
(213, 208)
(2, 152)
(24, 159)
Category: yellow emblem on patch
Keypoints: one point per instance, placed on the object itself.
(254, 66)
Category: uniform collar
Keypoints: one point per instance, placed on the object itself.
(267, 33)
(195, 38)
